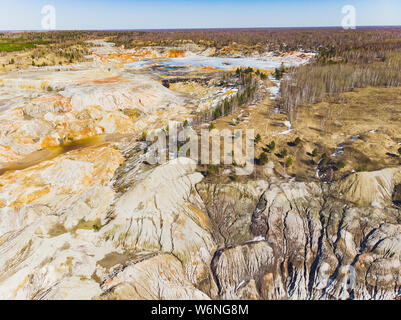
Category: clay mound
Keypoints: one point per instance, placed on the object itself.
(370, 188)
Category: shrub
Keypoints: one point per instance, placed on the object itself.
(211, 126)
(288, 163)
(49, 88)
(212, 169)
(279, 72)
(185, 123)
(340, 164)
(315, 152)
(324, 159)
(263, 158)
(217, 113)
(258, 138)
(144, 136)
(297, 141)
(399, 150)
(272, 146)
(283, 153)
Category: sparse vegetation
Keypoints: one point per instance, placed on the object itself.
(212, 169)
(288, 162)
(246, 81)
(365, 58)
(324, 159)
(283, 153)
(272, 146)
(315, 152)
(263, 158)
(297, 141)
(340, 164)
(279, 72)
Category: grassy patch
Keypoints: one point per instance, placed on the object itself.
(19, 44)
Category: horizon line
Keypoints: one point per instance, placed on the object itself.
(206, 28)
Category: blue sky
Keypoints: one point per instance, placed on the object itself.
(133, 14)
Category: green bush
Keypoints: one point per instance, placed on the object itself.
(279, 72)
(211, 126)
(217, 113)
(212, 169)
(297, 141)
(288, 163)
(258, 138)
(315, 152)
(399, 150)
(144, 136)
(340, 164)
(324, 159)
(185, 123)
(283, 153)
(272, 146)
(263, 158)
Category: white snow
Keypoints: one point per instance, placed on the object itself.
(288, 125)
(268, 62)
(259, 238)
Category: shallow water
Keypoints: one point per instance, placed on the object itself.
(219, 63)
(49, 153)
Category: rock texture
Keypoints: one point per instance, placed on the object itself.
(171, 236)
(316, 246)
(53, 239)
